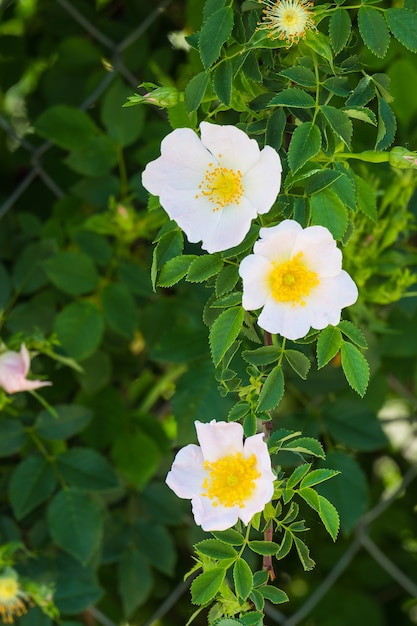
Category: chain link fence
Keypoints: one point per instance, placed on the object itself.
(37, 171)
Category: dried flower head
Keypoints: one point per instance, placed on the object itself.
(287, 20)
(12, 598)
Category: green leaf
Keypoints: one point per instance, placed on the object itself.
(329, 516)
(203, 267)
(403, 25)
(230, 299)
(266, 548)
(363, 92)
(305, 445)
(373, 30)
(238, 411)
(286, 545)
(215, 31)
(299, 362)
(119, 309)
(328, 345)
(297, 475)
(229, 536)
(215, 549)
(263, 355)
(361, 113)
(72, 272)
(136, 456)
(321, 180)
(195, 90)
(339, 122)
(273, 594)
(205, 587)
(175, 269)
(340, 27)
(366, 198)
(170, 245)
(79, 327)
(226, 280)
(319, 43)
(31, 483)
(71, 419)
(66, 126)
(387, 125)
(304, 554)
(252, 618)
(12, 437)
(210, 6)
(293, 98)
(155, 543)
(300, 75)
(224, 331)
(353, 333)
(75, 522)
(328, 210)
(96, 159)
(310, 496)
(305, 144)
(134, 580)
(222, 81)
(87, 469)
(349, 491)
(317, 476)
(355, 367)
(243, 579)
(272, 390)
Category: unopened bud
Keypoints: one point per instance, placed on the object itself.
(403, 158)
(164, 97)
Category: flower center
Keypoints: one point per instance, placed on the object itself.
(231, 481)
(287, 19)
(8, 589)
(11, 605)
(221, 186)
(292, 281)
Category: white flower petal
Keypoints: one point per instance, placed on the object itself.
(218, 439)
(264, 490)
(230, 145)
(232, 225)
(277, 243)
(254, 270)
(284, 319)
(187, 474)
(257, 446)
(319, 249)
(183, 146)
(263, 181)
(329, 298)
(211, 517)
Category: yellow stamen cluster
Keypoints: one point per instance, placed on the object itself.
(292, 281)
(11, 600)
(231, 481)
(221, 186)
(287, 20)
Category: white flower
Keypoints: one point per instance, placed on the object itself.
(296, 275)
(215, 186)
(14, 367)
(287, 19)
(225, 478)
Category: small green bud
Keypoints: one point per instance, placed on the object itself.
(403, 158)
(164, 97)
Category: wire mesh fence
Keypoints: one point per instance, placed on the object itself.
(37, 170)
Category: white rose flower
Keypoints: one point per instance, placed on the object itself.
(295, 275)
(215, 186)
(225, 478)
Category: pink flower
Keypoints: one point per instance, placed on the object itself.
(14, 367)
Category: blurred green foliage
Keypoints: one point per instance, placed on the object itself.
(83, 487)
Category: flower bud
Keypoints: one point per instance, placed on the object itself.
(164, 97)
(403, 158)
